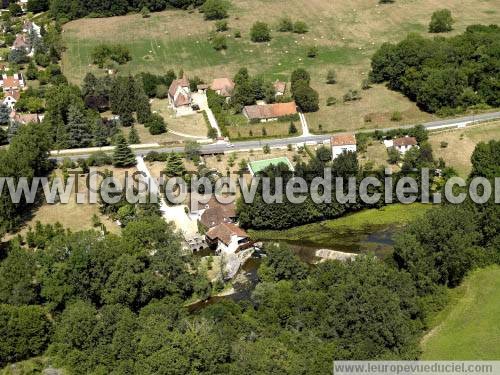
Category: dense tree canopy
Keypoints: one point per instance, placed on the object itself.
(444, 74)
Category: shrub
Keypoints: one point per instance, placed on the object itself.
(237, 34)
(444, 144)
(104, 52)
(393, 155)
(365, 85)
(145, 12)
(161, 91)
(292, 129)
(368, 118)
(221, 26)
(98, 159)
(312, 52)
(441, 21)
(266, 149)
(219, 42)
(300, 27)
(285, 25)
(215, 9)
(156, 125)
(260, 32)
(396, 116)
(306, 97)
(331, 77)
(331, 101)
(351, 95)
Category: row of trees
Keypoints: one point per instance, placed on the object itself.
(443, 75)
(62, 9)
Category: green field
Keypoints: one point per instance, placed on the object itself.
(469, 328)
(346, 33)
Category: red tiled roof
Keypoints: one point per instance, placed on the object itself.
(11, 82)
(183, 82)
(26, 118)
(269, 111)
(224, 85)
(405, 141)
(13, 93)
(218, 214)
(343, 139)
(182, 99)
(223, 232)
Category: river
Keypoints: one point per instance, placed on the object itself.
(377, 240)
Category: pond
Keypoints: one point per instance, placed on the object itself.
(377, 240)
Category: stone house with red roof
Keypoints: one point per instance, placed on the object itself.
(179, 97)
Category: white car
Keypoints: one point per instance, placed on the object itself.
(230, 145)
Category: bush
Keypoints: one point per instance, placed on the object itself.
(365, 85)
(237, 34)
(441, 21)
(307, 98)
(221, 26)
(285, 25)
(292, 129)
(351, 95)
(312, 52)
(396, 116)
(368, 118)
(331, 101)
(117, 53)
(156, 125)
(331, 77)
(300, 27)
(215, 9)
(444, 144)
(161, 91)
(260, 32)
(393, 155)
(266, 149)
(219, 42)
(98, 159)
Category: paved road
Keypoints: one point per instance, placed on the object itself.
(283, 142)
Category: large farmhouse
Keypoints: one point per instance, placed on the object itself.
(270, 112)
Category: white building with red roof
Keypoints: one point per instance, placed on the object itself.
(15, 82)
(229, 238)
(10, 99)
(343, 143)
(404, 144)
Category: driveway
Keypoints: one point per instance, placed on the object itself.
(176, 214)
(201, 101)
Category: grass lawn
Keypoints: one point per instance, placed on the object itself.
(461, 144)
(468, 329)
(194, 125)
(73, 216)
(396, 214)
(346, 33)
(244, 130)
(376, 152)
